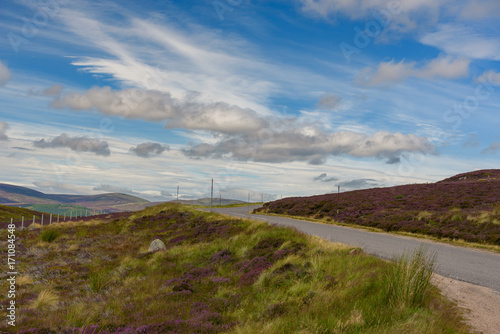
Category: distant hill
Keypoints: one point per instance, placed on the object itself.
(112, 202)
(465, 206)
(206, 201)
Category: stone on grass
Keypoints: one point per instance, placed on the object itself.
(157, 245)
(356, 251)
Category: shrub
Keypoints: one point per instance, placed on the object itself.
(410, 278)
(49, 235)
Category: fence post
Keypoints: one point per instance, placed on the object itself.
(50, 219)
(33, 219)
(57, 218)
(65, 216)
(70, 215)
(22, 223)
(42, 219)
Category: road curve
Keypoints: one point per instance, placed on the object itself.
(464, 264)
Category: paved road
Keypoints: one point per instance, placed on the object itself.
(465, 264)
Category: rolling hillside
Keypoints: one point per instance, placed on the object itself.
(466, 206)
(113, 202)
(8, 212)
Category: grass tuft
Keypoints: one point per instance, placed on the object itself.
(410, 278)
(49, 235)
(46, 299)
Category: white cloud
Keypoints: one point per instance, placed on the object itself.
(392, 72)
(3, 131)
(188, 113)
(4, 74)
(463, 41)
(401, 16)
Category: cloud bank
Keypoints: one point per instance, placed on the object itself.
(77, 144)
(241, 134)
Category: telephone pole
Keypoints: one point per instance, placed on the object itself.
(211, 195)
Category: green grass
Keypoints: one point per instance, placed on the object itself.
(8, 212)
(218, 274)
(410, 278)
(49, 235)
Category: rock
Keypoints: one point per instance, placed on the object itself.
(157, 245)
(356, 251)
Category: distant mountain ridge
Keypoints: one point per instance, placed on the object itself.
(111, 202)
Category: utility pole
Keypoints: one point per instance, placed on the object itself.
(338, 200)
(220, 200)
(177, 194)
(211, 195)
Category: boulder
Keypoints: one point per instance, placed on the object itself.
(157, 245)
(356, 251)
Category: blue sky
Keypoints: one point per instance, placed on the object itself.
(275, 98)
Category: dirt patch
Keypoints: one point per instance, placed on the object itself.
(481, 305)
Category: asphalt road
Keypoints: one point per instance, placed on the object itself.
(464, 264)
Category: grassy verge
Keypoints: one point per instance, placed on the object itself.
(216, 275)
(329, 221)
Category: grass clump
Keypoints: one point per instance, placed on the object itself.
(46, 299)
(49, 235)
(410, 278)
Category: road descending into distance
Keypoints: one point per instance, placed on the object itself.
(460, 263)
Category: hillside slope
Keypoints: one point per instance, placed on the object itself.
(466, 207)
(8, 212)
(111, 202)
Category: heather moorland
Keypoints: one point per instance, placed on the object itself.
(464, 207)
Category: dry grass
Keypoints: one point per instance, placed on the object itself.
(46, 299)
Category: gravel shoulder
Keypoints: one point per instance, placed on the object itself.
(480, 305)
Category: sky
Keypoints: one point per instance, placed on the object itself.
(270, 99)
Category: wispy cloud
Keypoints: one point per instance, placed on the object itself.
(492, 149)
(481, 9)
(324, 178)
(329, 102)
(145, 150)
(392, 72)
(358, 184)
(4, 74)
(403, 15)
(4, 126)
(78, 144)
(473, 43)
